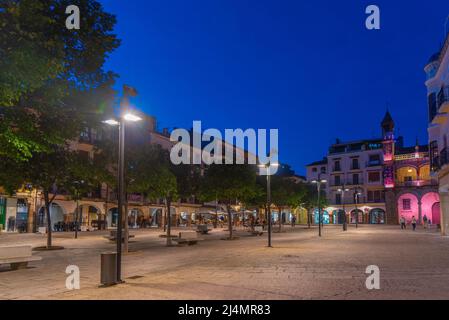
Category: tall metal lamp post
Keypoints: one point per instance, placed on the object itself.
(125, 117)
(356, 200)
(268, 167)
(318, 183)
(342, 191)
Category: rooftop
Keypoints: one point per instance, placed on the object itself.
(408, 150)
(317, 163)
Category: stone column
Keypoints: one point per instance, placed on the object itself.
(419, 211)
(391, 213)
(444, 206)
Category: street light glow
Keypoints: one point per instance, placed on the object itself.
(268, 165)
(111, 122)
(131, 117)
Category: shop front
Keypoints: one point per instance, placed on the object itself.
(2, 213)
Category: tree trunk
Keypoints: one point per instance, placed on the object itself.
(309, 219)
(228, 208)
(76, 219)
(47, 211)
(164, 218)
(168, 205)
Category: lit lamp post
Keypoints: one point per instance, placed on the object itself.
(268, 167)
(126, 117)
(342, 191)
(318, 183)
(356, 199)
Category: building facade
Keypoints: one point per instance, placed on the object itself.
(376, 181)
(437, 83)
(24, 211)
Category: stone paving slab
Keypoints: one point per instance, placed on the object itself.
(414, 265)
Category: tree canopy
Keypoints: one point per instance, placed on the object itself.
(51, 79)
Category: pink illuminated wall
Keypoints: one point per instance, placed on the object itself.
(408, 213)
(436, 215)
(427, 203)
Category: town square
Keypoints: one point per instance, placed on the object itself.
(223, 151)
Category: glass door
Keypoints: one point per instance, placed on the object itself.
(22, 215)
(2, 213)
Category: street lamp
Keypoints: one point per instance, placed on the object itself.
(268, 166)
(356, 198)
(342, 191)
(318, 183)
(121, 184)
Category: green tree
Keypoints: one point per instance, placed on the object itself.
(149, 173)
(51, 78)
(310, 201)
(229, 183)
(55, 172)
(286, 193)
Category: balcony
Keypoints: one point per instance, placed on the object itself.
(336, 169)
(374, 163)
(417, 183)
(347, 183)
(443, 100)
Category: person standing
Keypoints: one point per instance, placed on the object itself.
(414, 223)
(402, 222)
(425, 220)
(293, 221)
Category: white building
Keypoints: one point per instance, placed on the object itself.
(437, 83)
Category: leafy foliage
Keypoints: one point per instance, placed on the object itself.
(51, 78)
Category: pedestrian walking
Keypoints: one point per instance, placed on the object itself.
(402, 222)
(293, 221)
(425, 220)
(414, 223)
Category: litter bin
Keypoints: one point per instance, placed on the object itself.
(108, 268)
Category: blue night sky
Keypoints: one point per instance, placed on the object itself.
(308, 68)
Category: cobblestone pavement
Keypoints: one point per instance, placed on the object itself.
(413, 265)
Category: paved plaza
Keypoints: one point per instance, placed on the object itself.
(413, 265)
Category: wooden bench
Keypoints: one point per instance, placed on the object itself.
(258, 231)
(113, 236)
(189, 238)
(203, 229)
(18, 257)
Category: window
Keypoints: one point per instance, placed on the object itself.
(337, 180)
(374, 160)
(432, 106)
(338, 198)
(85, 135)
(323, 169)
(434, 156)
(373, 176)
(314, 169)
(376, 196)
(355, 179)
(337, 166)
(406, 204)
(355, 164)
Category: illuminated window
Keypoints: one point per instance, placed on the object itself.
(374, 176)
